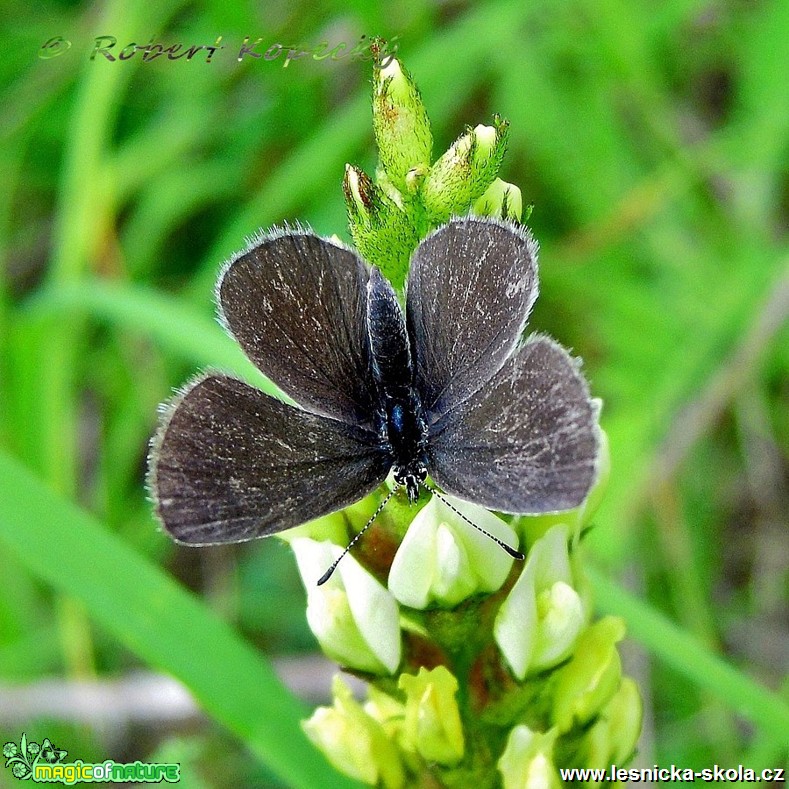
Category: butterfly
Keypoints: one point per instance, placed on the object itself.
(447, 387)
(51, 754)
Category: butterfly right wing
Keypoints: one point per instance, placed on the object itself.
(230, 464)
(527, 442)
(471, 286)
(297, 305)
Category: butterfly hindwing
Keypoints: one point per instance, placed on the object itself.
(230, 463)
(524, 443)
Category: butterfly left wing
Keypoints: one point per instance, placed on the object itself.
(231, 464)
(297, 305)
(524, 443)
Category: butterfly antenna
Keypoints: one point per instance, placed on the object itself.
(510, 550)
(325, 577)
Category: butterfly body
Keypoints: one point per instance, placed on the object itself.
(447, 386)
(401, 418)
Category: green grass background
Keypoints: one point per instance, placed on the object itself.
(653, 140)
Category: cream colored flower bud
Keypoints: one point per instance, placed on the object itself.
(443, 559)
(527, 761)
(354, 618)
(588, 682)
(432, 720)
(613, 737)
(354, 742)
(501, 200)
(539, 622)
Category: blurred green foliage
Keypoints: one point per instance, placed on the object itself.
(653, 140)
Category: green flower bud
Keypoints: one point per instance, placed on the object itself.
(539, 622)
(527, 761)
(443, 559)
(464, 172)
(588, 682)
(501, 200)
(353, 742)
(432, 719)
(613, 737)
(367, 204)
(390, 713)
(382, 232)
(354, 618)
(402, 130)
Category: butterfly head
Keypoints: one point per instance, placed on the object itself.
(411, 477)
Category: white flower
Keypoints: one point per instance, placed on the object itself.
(443, 559)
(539, 622)
(352, 615)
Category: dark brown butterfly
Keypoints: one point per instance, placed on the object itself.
(447, 387)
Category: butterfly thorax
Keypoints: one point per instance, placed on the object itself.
(407, 436)
(402, 426)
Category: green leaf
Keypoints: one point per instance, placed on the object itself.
(159, 621)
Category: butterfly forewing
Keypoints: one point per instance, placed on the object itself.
(471, 286)
(296, 303)
(231, 464)
(524, 443)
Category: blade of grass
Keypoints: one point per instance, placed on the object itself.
(159, 621)
(687, 655)
(167, 321)
(83, 209)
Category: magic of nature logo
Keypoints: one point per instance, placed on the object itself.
(44, 763)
